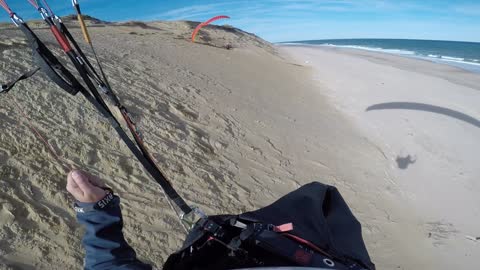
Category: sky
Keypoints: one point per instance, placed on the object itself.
(292, 20)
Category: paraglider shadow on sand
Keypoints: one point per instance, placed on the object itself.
(427, 108)
(404, 162)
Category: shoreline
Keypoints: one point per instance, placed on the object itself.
(473, 67)
(451, 73)
(423, 117)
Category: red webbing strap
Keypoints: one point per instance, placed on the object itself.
(62, 40)
(307, 243)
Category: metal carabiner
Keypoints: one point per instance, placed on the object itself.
(57, 18)
(16, 19)
(44, 13)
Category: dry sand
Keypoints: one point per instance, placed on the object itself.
(234, 130)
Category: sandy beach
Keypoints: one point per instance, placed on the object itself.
(423, 117)
(236, 129)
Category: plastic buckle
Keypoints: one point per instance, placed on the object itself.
(190, 219)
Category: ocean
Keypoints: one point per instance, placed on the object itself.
(465, 55)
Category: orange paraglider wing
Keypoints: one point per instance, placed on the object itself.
(195, 32)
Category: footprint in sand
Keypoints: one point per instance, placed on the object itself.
(181, 110)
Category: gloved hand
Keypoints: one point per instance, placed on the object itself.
(84, 187)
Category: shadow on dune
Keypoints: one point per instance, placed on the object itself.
(427, 108)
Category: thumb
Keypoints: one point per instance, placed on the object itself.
(90, 192)
(73, 188)
(81, 179)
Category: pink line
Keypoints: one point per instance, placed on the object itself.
(34, 3)
(5, 6)
(39, 136)
(48, 7)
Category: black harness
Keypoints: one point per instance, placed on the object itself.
(309, 227)
(231, 242)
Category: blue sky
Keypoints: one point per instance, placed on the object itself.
(289, 20)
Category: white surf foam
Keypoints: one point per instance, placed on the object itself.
(449, 58)
(375, 49)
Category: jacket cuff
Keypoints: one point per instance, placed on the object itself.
(108, 200)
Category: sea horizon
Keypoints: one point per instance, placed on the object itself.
(423, 39)
(462, 54)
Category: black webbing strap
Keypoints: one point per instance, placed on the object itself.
(49, 64)
(91, 70)
(9, 85)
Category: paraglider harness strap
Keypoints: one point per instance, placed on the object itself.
(9, 85)
(277, 240)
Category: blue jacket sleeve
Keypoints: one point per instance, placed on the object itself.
(104, 243)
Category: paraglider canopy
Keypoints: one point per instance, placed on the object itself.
(195, 32)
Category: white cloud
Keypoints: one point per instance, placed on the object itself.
(286, 19)
(193, 11)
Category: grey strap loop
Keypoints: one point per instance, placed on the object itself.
(8, 86)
